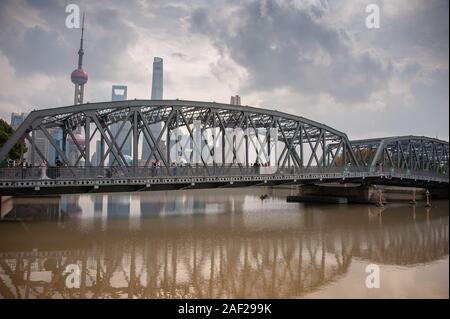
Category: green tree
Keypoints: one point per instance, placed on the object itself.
(364, 155)
(6, 131)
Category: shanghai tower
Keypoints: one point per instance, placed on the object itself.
(157, 79)
(157, 94)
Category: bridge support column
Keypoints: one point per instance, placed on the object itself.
(427, 194)
(378, 195)
(380, 198)
(413, 201)
(264, 192)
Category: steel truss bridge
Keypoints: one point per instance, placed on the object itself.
(206, 145)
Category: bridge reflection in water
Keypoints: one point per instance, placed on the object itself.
(241, 248)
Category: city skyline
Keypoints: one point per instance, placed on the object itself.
(358, 80)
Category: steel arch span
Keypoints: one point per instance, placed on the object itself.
(304, 142)
(414, 153)
(161, 144)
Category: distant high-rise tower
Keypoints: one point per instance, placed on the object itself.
(42, 143)
(79, 77)
(57, 135)
(157, 79)
(96, 158)
(17, 119)
(235, 100)
(157, 94)
(119, 93)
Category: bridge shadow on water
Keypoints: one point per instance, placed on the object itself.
(204, 244)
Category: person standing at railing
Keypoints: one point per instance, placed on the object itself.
(380, 166)
(158, 167)
(23, 168)
(58, 164)
(153, 165)
(43, 170)
(29, 170)
(256, 167)
(174, 164)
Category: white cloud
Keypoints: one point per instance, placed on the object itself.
(311, 58)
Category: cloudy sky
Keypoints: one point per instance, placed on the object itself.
(314, 58)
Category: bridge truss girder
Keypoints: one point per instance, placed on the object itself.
(303, 143)
(404, 152)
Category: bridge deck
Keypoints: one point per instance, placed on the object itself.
(32, 181)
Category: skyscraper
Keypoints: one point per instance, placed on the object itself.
(235, 100)
(157, 79)
(119, 93)
(42, 143)
(57, 135)
(17, 119)
(97, 156)
(157, 94)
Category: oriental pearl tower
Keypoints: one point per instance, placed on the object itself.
(79, 77)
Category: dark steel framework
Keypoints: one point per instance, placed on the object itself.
(414, 153)
(304, 143)
(294, 150)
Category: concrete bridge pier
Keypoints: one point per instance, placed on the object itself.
(5, 205)
(347, 193)
(413, 199)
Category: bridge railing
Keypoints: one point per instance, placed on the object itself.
(413, 174)
(36, 173)
(31, 173)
